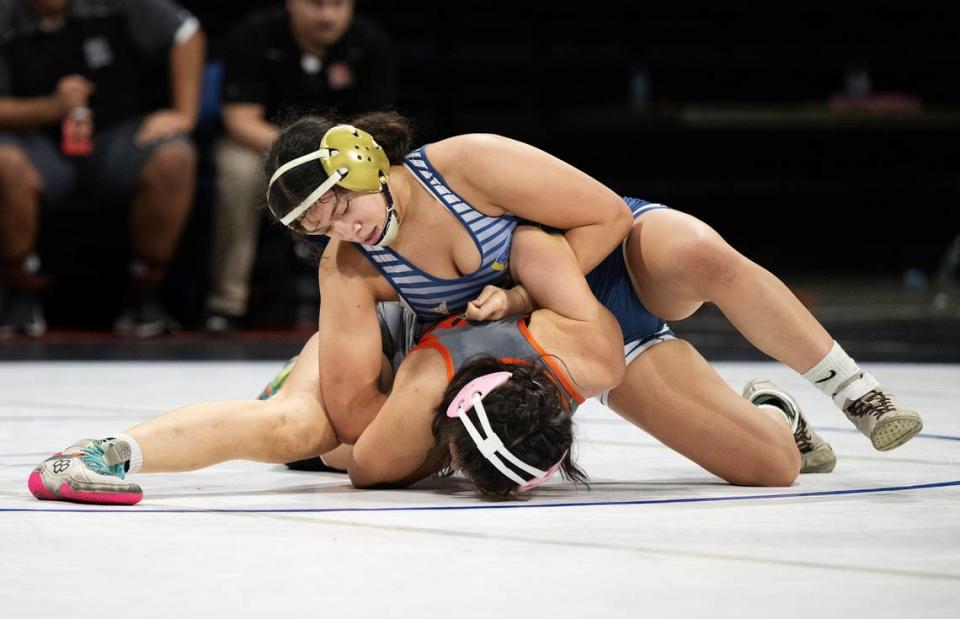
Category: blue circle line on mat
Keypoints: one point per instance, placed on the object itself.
(320, 510)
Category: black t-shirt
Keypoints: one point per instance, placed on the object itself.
(122, 46)
(263, 64)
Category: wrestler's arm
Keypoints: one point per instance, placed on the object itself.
(536, 186)
(547, 276)
(396, 449)
(544, 264)
(350, 346)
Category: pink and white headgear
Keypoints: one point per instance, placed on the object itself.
(492, 448)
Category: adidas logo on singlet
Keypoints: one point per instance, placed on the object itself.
(441, 309)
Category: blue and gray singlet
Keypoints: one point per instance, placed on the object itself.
(433, 298)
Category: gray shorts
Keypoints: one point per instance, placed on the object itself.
(109, 174)
(399, 330)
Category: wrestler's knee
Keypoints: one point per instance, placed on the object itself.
(703, 258)
(774, 467)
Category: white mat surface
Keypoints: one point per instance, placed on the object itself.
(655, 536)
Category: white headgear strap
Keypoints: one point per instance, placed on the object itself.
(492, 446)
(317, 193)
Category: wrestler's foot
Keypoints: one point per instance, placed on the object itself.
(274, 385)
(881, 417)
(816, 455)
(89, 471)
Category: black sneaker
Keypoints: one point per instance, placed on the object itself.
(313, 465)
(218, 323)
(144, 317)
(21, 312)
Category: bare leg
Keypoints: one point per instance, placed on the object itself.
(677, 263)
(292, 425)
(19, 203)
(671, 392)
(162, 202)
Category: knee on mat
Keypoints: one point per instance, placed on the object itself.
(777, 469)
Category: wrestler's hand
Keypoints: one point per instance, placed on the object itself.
(495, 303)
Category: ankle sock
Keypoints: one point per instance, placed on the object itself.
(135, 463)
(839, 377)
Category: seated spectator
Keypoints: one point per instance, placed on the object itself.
(79, 110)
(309, 55)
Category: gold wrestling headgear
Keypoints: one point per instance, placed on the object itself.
(353, 160)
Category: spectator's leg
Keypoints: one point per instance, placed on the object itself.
(20, 196)
(162, 202)
(157, 180)
(237, 216)
(30, 167)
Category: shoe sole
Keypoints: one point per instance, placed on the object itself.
(819, 464)
(896, 432)
(68, 493)
(37, 489)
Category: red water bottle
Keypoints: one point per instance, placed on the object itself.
(77, 133)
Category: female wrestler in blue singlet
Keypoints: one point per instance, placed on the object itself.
(399, 231)
(327, 180)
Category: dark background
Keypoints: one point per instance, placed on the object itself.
(754, 120)
(722, 112)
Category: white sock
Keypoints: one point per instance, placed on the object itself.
(839, 377)
(136, 454)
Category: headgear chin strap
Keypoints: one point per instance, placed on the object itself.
(492, 448)
(352, 159)
(392, 225)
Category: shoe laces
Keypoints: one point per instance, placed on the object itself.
(92, 456)
(876, 403)
(802, 437)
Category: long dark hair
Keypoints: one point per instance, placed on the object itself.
(530, 415)
(393, 133)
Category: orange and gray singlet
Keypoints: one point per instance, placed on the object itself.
(459, 340)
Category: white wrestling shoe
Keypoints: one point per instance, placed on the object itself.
(816, 455)
(89, 471)
(877, 414)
